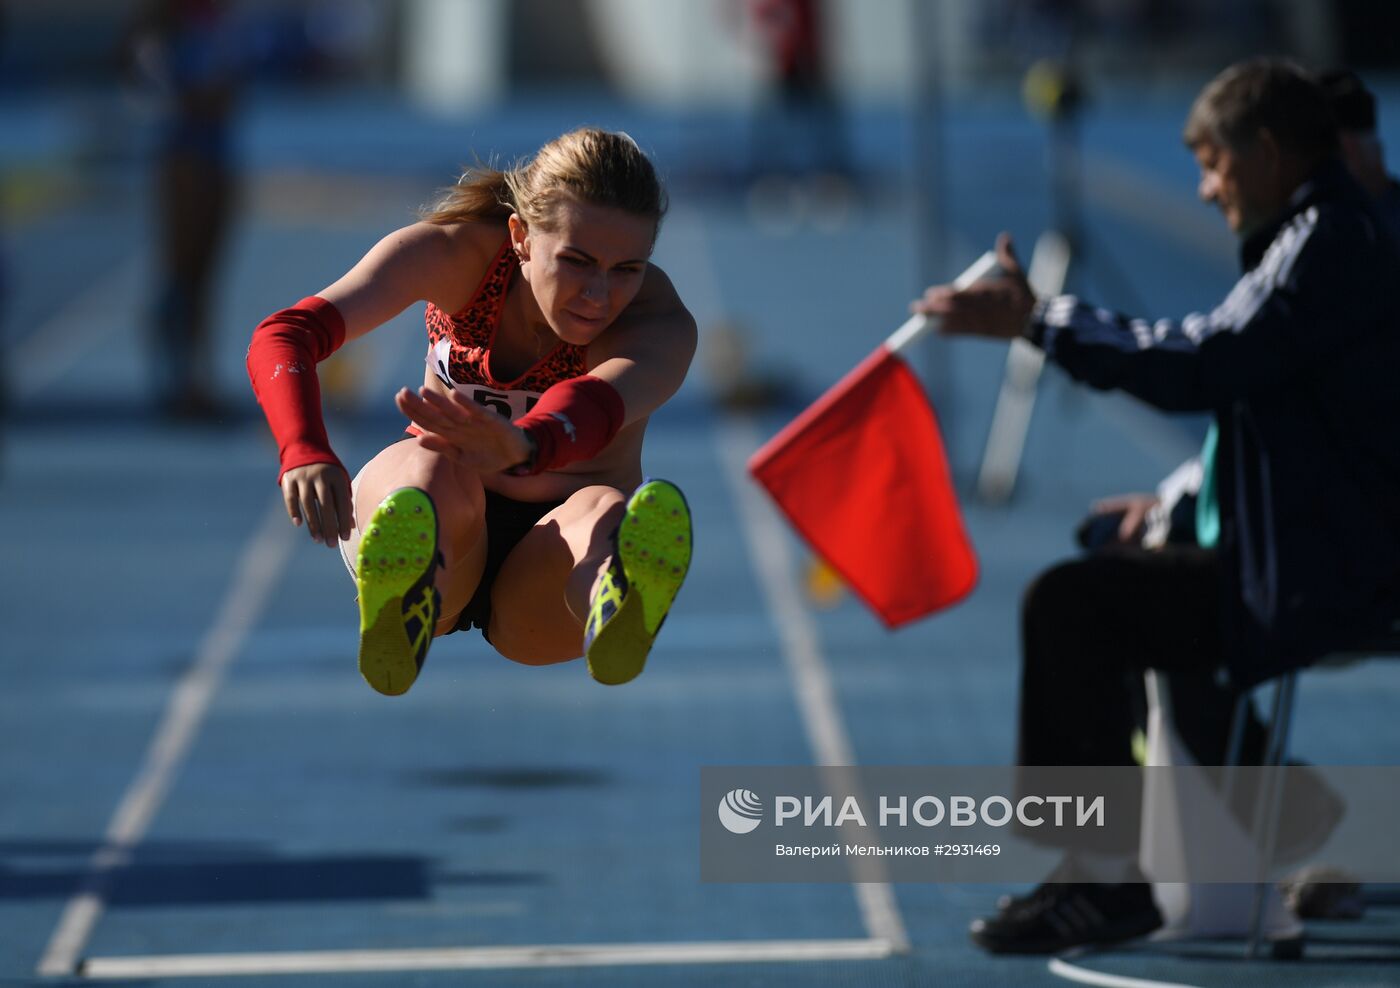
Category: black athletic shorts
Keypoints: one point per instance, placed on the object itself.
(507, 522)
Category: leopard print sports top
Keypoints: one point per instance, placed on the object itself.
(459, 347)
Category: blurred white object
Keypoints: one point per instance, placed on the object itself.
(454, 55)
(1001, 460)
(1172, 838)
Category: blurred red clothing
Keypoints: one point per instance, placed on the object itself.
(792, 29)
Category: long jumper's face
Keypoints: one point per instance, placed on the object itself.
(586, 267)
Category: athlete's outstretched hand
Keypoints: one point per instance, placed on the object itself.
(996, 306)
(318, 494)
(470, 433)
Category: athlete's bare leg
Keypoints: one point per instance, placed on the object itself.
(460, 503)
(540, 597)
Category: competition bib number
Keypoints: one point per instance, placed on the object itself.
(510, 404)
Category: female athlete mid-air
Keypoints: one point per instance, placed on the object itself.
(515, 502)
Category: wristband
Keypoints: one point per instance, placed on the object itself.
(282, 358)
(574, 420)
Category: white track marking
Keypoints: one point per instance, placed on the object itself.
(811, 677)
(71, 333)
(772, 558)
(485, 958)
(254, 579)
(1062, 968)
(816, 698)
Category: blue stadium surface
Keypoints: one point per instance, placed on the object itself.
(295, 813)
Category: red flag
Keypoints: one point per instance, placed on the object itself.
(863, 477)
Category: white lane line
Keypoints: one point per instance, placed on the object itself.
(801, 647)
(72, 332)
(1070, 972)
(254, 579)
(482, 958)
(816, 696)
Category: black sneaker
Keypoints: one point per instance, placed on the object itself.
(1059, 915)
(1323, 892)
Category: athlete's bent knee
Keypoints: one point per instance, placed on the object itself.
(595, 502)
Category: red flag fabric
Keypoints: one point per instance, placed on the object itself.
(863, 477)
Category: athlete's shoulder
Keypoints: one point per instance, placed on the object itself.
(458, 254)
(462, 246)
(655, 318)
(657, 295)
(476, 238)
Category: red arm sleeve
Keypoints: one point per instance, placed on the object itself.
(282, 360)
(573, 420)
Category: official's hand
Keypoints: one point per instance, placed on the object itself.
(1134, 508)
(469, 433)
(995, 307)
(318, 495)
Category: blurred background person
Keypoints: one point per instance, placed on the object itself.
(798, 130)
(189, 54)
(1354, 106)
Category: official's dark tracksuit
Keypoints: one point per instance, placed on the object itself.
(1300, 365)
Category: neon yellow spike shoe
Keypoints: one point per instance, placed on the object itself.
(633, 596)
(399, 604)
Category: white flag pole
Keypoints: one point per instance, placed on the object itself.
(918, 326)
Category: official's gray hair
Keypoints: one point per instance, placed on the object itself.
(1261, 94)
